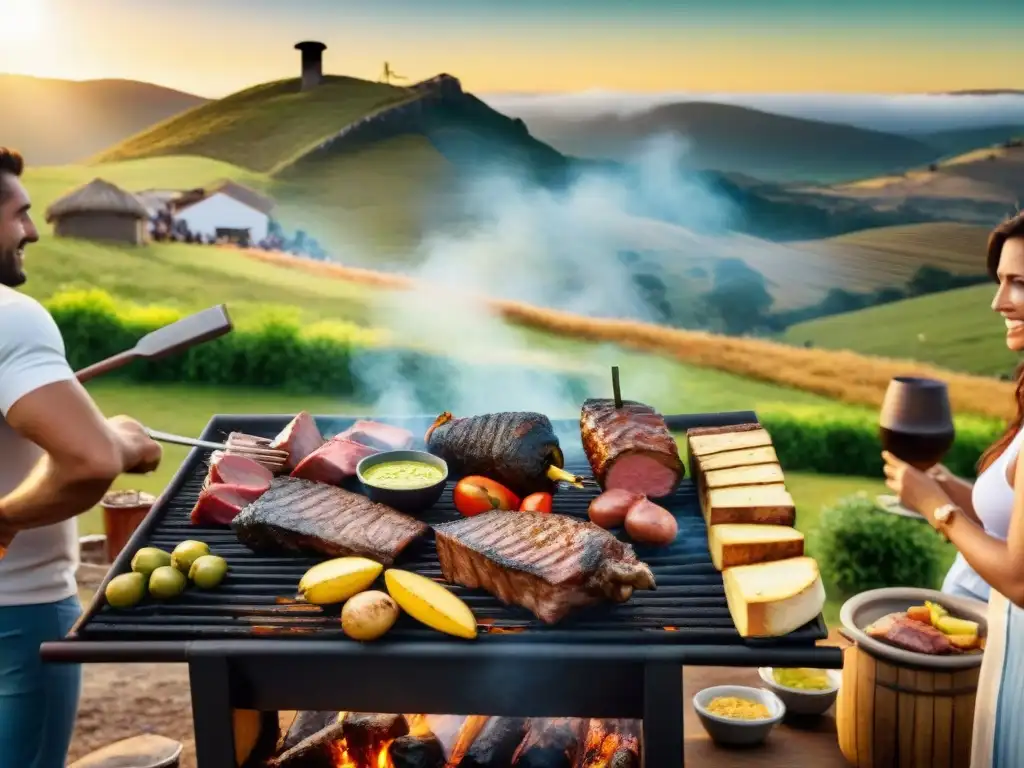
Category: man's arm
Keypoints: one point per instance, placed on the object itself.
(83, 456)
(44, 403)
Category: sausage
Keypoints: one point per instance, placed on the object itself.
(609, 509)
(648, 523)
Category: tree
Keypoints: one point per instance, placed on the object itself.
(739, 296)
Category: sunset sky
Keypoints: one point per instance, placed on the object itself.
(215, 47)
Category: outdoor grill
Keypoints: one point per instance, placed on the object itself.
(250, 646)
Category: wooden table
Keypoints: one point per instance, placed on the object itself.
(812, 742)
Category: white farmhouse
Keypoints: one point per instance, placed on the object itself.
(225, 210)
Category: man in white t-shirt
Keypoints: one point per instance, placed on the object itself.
(58, 457)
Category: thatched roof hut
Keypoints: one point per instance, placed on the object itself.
(100, 210)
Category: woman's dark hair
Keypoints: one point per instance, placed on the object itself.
(12, 163)
(1009, 229)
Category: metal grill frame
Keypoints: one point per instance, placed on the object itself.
(639, 680)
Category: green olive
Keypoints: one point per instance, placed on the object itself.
(187, 553)
(208, 571)
(126, 590)
(148, 559)
(166, 582)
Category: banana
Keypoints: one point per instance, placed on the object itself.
(335, 581)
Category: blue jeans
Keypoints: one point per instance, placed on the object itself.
(38, 702)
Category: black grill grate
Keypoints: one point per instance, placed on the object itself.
(255, 600)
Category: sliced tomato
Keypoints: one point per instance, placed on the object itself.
(536, 502)
(475, 494)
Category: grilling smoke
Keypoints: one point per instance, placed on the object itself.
(561, 249)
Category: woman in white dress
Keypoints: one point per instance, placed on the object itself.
(986, 525)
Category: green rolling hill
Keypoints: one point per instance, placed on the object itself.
(954, 329)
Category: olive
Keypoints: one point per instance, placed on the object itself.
(126, 590)
(187, 553)
(166, 582)
(148, 559)
(208, 571)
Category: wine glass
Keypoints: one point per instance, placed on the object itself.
(915, 425)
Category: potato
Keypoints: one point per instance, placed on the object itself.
(964, 642)
(649, 523)
(609, 509)
(368, 615)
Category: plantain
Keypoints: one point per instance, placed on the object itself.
(335, 581)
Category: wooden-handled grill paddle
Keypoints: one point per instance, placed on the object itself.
(188, 332)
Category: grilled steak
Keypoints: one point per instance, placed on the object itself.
(383, 437)
(911, 635)
(333, 462)
(630, 448)
(513, 448)
(220, 503)
(237, 470)
(546, 563)
(300, 438)
(304, 516)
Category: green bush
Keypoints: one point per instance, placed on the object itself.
(329, 357)
(844, 440)
(860, 548)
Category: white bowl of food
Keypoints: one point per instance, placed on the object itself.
(738, 715)
(804, 691)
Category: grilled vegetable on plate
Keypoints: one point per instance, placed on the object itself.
(518, 449)
(474, 494)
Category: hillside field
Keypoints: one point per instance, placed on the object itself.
(956, 329)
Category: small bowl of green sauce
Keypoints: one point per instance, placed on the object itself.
(409, 481)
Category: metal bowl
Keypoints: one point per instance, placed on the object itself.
(801, 701)
(404, 499)
(734, 732)
(861, 611)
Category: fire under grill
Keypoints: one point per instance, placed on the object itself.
(251, 646)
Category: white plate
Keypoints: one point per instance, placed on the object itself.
(891, 504)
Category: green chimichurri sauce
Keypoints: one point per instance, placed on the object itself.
(402, 475)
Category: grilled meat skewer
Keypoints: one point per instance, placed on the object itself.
(518, 449)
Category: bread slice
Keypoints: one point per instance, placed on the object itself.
(709, 440)
(745, 457)
(733, 544)
(758, 474)
(770, 504)
(773, 599)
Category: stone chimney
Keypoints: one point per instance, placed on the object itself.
(312, 63)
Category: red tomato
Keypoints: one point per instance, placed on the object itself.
(475, 494)
(536, 502)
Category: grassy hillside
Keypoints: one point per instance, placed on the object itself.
(261, 127)
(955, 329)
(993, 175)
(733, 138)
(62, 121)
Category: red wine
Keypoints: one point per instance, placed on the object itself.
(919, 449)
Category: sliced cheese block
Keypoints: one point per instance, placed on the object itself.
(745, 544)
(745, 457)
(749, 504)
(704, 445)
(759, 474)
(773, 599)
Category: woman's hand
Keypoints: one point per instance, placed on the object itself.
(917, 490)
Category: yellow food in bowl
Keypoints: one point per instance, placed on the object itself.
(803, 679)
(738, 708)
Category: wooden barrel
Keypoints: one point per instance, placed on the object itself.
(894, 716)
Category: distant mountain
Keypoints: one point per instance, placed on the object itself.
(54, 122)
(988, 92)
(738, 139)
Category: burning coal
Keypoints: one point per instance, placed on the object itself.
(359, 740)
